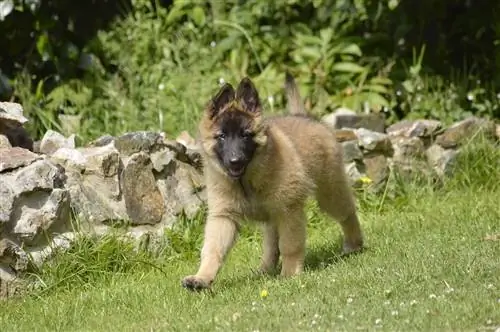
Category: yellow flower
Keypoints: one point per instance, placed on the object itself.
(365, 179)
(264, 293)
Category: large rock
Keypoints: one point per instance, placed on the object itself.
(143, 200)
(11, 114)
(344, 118)
(416, 128)
(372, 142)
(12, 158)
(377, 170)
(409, 155)
(4, 142)
(441, 160)
(464, 130)
(53, 141)
(95, 185)
(33, 201)
(139, 141)
(351, 151)
(11, 126)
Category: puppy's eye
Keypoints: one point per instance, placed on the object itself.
(247, 134)
(220, 136)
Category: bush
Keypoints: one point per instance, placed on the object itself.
(156, 66)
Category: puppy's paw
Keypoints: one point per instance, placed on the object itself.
(352, 247)
(196, 283)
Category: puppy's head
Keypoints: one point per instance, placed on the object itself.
(231, 129)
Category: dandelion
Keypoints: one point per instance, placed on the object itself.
(387, 302)
(213, 43)
(221, 81)
(378, 321)
(413, 302)
(394, 313)
(264, 293)
(349, 300)
(270, 99)
(365, 179)
(161, 86)
(432, 296)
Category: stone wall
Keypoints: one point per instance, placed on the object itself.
(145, 181)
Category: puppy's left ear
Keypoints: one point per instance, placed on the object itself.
(248, 96)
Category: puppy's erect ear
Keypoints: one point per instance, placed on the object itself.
(222, 98)
(248, 96)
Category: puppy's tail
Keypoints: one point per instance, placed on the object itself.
(294, 101)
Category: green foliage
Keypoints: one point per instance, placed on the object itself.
(156, 67)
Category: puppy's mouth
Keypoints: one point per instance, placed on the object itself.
(236, 171)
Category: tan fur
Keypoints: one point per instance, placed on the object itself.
(296, 158)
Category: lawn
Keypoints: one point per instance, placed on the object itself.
(432, 263)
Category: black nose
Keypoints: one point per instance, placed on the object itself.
(236, 160)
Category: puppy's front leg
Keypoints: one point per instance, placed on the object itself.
(220, 235)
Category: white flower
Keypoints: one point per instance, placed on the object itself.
(161, 86)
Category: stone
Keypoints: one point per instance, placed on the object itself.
(416, 128)
(409, 154)
(441, 160)
(60, 242)
(102, 141)
(42, 175)
(344, 119)
(351, 151)
(12, 256)
(162, 159)
(104, 160)
(4, 142)
(344, 135)
(69, 159)
(11, 114)
(464, 130)
(183, 190)
(52, 141)
(373, 142)
(377, 169)
(12, 158)
(143, 200)
(95, 199)
(185, 139)
(353, 174)
(39, 212)
(139, 141)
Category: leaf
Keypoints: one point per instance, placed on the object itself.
(375, 99)
(198, 16)
(349, 67)
(381, 80)
(6, 7)
(375, 88)
(351, 49)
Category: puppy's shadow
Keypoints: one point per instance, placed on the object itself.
(317, 258)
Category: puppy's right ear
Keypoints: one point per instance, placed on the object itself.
(222, 98)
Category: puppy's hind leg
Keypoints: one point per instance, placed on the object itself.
(292, 240)
(336, 199)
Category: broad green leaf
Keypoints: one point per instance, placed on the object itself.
(349, 67)
(198, 16)
(351, 49)
(375, 99)
(375, 88)
(381, 80)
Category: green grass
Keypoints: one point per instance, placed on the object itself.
(428, 267)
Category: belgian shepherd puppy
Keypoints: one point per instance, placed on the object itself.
(264, 170)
